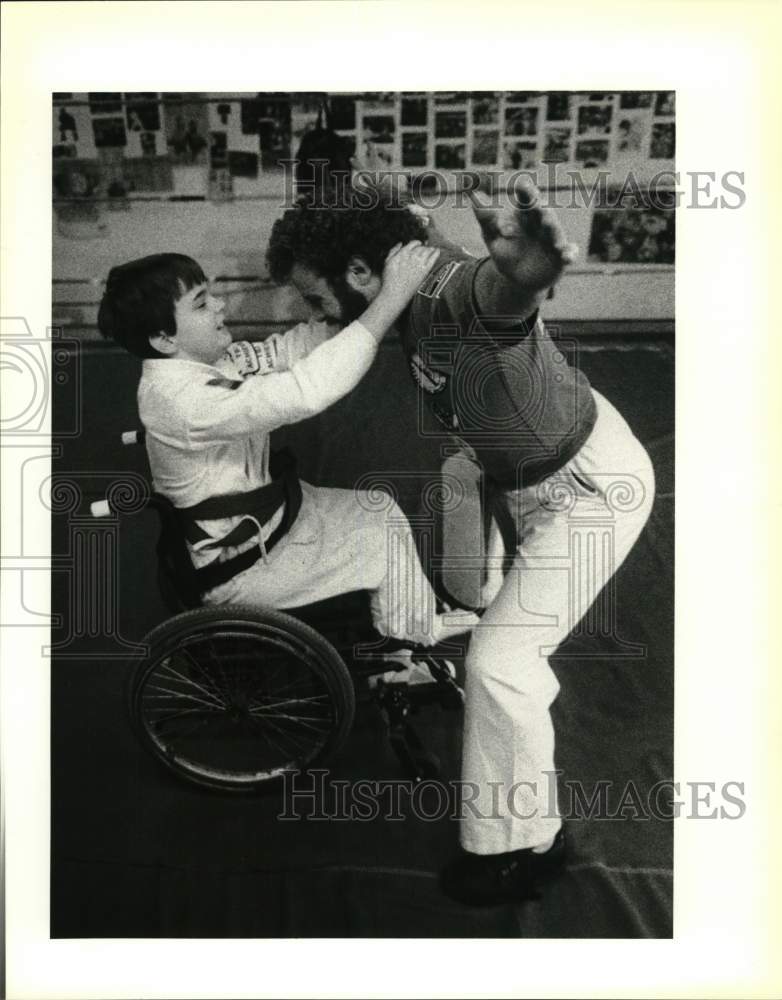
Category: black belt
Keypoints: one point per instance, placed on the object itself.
(261, 505)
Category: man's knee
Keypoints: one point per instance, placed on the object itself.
(510, 659)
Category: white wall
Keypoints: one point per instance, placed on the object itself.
(229, 239)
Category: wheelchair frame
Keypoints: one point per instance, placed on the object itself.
(232, 697)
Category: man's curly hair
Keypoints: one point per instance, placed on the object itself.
(324, 240)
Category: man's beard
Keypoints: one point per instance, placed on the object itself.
(352, 303)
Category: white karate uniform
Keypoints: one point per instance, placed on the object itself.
(576, 528)
(207, 433)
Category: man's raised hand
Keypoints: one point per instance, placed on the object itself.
(525, 240)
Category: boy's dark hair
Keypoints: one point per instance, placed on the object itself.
(140, 299)
(324, 240)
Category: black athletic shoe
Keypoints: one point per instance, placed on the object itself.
(486, 879)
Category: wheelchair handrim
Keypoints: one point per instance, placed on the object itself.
(199, 696)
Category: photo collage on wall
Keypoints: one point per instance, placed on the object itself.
(629, 230)
(114, 146)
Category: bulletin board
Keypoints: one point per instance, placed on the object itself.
(113, 148)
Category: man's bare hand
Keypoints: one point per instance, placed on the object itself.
(525, 240)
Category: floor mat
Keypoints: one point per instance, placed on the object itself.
(136, 853)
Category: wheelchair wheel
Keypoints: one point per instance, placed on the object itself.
(234, 697)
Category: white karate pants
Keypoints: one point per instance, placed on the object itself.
(343, 540)
(575, 530)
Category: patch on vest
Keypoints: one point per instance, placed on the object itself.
(433, 286)
(426, 377)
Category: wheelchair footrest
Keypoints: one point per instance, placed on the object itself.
(418, 763)
(398, 700)
(426, 678)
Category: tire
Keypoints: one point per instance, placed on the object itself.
(217, 697)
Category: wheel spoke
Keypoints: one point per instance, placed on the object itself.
(207, 677)
(212, 705)
(178, 715)
(232, 703)
(281, 689)
(220, 666)
(288, 701)
(175, 675)
(282, 733)
(305, 720)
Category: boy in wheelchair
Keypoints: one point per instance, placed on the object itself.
(257, 535)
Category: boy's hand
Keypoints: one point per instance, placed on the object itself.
(525, 241)
(405, 268)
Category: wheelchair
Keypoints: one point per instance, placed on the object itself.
(232, 697)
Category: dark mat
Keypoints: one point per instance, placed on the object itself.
(137, 854)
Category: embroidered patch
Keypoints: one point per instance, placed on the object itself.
(427, 378)
(433, 286)
(266, 352)
(253, 357)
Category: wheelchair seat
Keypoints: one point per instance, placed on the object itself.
(232, 697)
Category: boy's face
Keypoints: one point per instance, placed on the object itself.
(200, 331)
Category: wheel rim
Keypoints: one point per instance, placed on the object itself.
(237, 705)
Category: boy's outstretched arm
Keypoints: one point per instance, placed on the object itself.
(318, 380)
(528, 251)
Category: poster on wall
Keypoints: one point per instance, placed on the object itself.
(663, 144)
(379, 128)
(306, 112)
(72, 134)
(218, 149)
(187, 129)
(520, 155)
(236, 116)
(591, 154)
(142, 112)
(484, 147)
(379, 132)
(450, 124)
(521, 121)
(243, 136)
(114, 187)
(105, 104)
(76, 187)
(152, 173)
(558, 107)
(342, 113)
(274, 132)
(148, 141)
(594, 120)
(415, 149)
(485, 110)
(76, 179)
(630, 132)
(627, 230)
(414, 111)
(109, 132)
(451, 156)
(635, 99)
(557, 148)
